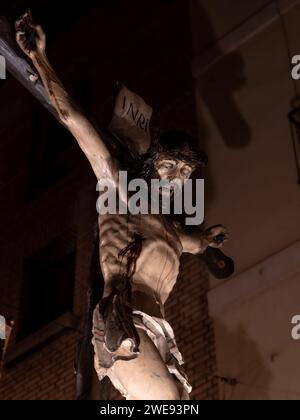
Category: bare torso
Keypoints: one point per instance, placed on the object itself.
(157, 265)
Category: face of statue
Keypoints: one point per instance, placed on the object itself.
(170, 169)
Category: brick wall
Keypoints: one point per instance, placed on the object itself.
(187, 311)
(47, 374)
(150, 51)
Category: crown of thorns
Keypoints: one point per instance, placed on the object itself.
(178, 145)
(175, 144)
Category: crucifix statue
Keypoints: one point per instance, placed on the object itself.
(134, 345)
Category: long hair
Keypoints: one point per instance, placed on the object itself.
(171, 143)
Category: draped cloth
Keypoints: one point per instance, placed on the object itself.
(158, 330)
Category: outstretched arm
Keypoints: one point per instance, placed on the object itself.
(32, 41)
(198, 241)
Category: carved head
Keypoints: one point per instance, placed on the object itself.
(171, 157)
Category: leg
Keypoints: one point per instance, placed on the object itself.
(146, 377)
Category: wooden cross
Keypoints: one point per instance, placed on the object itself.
(20, 67)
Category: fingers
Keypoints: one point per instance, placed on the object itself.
(31, 38)
(22, 42)
(24, 21)
(18, 24)
(217, 236)
(20, 37)
(25, 24)
(217, 230)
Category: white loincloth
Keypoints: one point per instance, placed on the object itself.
(161, 334)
